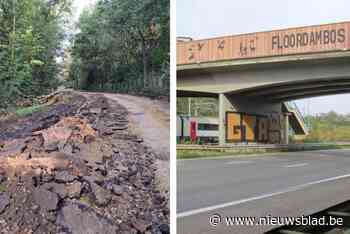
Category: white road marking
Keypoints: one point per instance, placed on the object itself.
(234, 203)
(297, 165)
(238, 162)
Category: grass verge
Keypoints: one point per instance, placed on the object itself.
(189, 154)
(201, 153)
(23, 112)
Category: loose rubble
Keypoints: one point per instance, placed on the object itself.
(76, 168)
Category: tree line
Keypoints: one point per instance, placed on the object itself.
(31, 36)
(123, 46)
(205, 107)
(329, 127)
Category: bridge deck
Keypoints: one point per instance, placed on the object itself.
(293, 41)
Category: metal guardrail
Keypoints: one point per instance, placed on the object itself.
(305, 146)
(294, 106)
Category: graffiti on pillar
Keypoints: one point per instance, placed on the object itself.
(249, 127)
(233, 130)
(243, 127)
(263, 131)
(274, 122)
(274, 137)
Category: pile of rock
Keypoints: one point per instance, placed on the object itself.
(82, 173)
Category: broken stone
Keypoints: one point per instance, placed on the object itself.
(117, 189)
(119, 128)
(102, 196)
(47, 200)
(64, 177)
(88, 139)
(47, 177)
(164, 228)
(96, 111)
(35, 208)
(92, 179)
(67, 149)
(102, 170)
(74, 182)
(132, 170)
(59, 189)
(79, 219)
(13, 148)
(52, 147)
(54, 135)
(139, 140)
(140, 225)
(45, 122)
(4, 202)
(106, 131)
(3, 178)
(74, 190)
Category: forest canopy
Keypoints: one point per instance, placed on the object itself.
(118, 45)
(31, 36)
(123, 45)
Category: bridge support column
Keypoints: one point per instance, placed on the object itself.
(286, 129)
(222, 119)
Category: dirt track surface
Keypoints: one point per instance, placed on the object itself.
(78, 168)
(149, 119)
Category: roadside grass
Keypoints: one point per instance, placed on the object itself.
(190, 154)
(205, 153)
(23, 112)
(3, 187)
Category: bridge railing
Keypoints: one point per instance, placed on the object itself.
(294, 106)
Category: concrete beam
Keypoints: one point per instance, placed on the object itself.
(315, 93)
(255, 62)
(247, 79)
(182, 93)
(291, 87)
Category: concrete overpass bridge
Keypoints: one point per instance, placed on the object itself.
(254, 75)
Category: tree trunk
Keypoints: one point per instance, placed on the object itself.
(13, 53)
(144, 61)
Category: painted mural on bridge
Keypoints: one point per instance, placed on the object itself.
(243, 127)
(312, 39)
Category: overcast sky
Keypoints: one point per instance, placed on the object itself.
(79, 6)
(208, 18)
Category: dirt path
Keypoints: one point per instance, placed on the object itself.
(149, 119)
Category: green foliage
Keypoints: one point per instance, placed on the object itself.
(31, 32)
(123, 45)
(329, 127)
(29, 110)
(207, 107)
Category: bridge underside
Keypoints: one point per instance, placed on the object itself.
(296, 90)
(260, 90)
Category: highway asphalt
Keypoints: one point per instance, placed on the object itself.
(285, 184)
